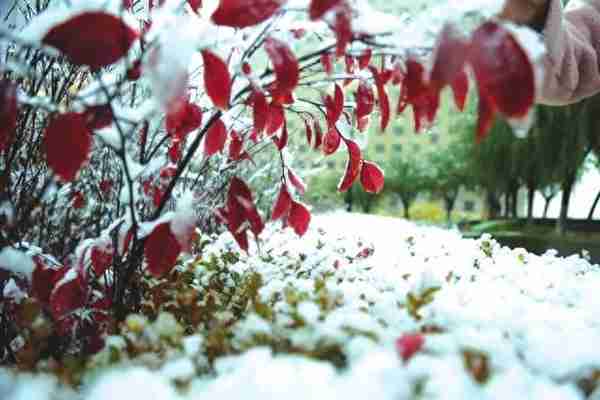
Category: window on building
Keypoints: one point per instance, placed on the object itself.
(331, 164)
(380, 148)
(435, 138)
(301, 164)
(316, 164)
(303, 148)
(397, 147)
(398, 130)
(469, 206)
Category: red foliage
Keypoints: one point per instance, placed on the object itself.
(408, 345)
(343, 28)
(281, 141)
(67, 142)
(282, 204)
(365, 102)
(318, 8)
(215, 139)
(78, 200)
(371, 177)
(296, 182)
(384, 100)
(101, 259)
(275, 118)
(260, 111)
(332, 140)
(161, 250)
(98, 117)
(244, 13)
(450, 57)
(334, 106)
(327, 63)
(217, 80)
(365, 59)
(353, 165)
(195, 5)
(460, 88)
(8, 113)
(299, 218)
(68, 294)
(95, 39)
(184, 119)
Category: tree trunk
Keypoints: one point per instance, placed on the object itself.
(514, 195)
(494, 206)
(506, 204)
(591, 214)
(567, 188)
(530, 199)
(348, 200)
(406, 202)
(449, 202)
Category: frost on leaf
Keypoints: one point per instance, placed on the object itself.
(282, 204)
(95, 39)
(285, 64)
(183, 119)
(504, 73)
(8, 113)
(161, 250)
(371, 177)
(449, 59)
(353, 165)
(101, 258)
(215, 139)
(244, 13)
(240, 213)
(217, 80)
(68, 294)
(67, 143)
(296, 182)
(299, 218)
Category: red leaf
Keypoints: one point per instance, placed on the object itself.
(195, 5)
(503, 70)
(184, 119)
(331, 142)
(334, 106)
(106, 186)
(101, 259)
(450, 57)
(371, 177)
(68, 295)
(95, 39)
(217, 80)
(318, 134)
(299, 218)
(285, 64)
(460, 88)
(384, 100)
(246, 68)
(327, 63)
(282, 141)
(235, 146)
(275, 118)
(408, 345)
(343, 29)
(98, 117)
(216, 136)
(352, 166)
(78, 200)
(423, 98)
(349, 61)
(308, 132)
(318, 8)
(282, 204)
(135, 71)
(296, 182)
(67, 142)
(365, 100)
(161, 250)
(244, 13)
(365, 59)
(260, 111)
(241, 208)
(8, 113)
(43, 279)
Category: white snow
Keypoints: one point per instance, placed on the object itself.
(16, 261)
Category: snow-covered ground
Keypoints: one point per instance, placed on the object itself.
(497, 323)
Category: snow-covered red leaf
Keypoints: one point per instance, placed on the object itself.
(353, 165)
(68, 294)
(96, 39)
(460, 89)
(327, 63)
(282, 204)
(260, 111)
(195, 5)
(299, 218)
(331, 141)
(296, 182)
(217, 80)
(183, 120)
(408, 345)
(43, 279)
(365, 100)
(252, 216)
(67, 143)
(450, 57)
(8, 113)
(382, 96)
(285, 64)
(99, 116)
(365, 59)
(241, 208)
(215, 139)
(318, 8)
(371, 177)
(282, 140)
(244, 13)
(424, 99)
(161, 249)
(503, 70)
